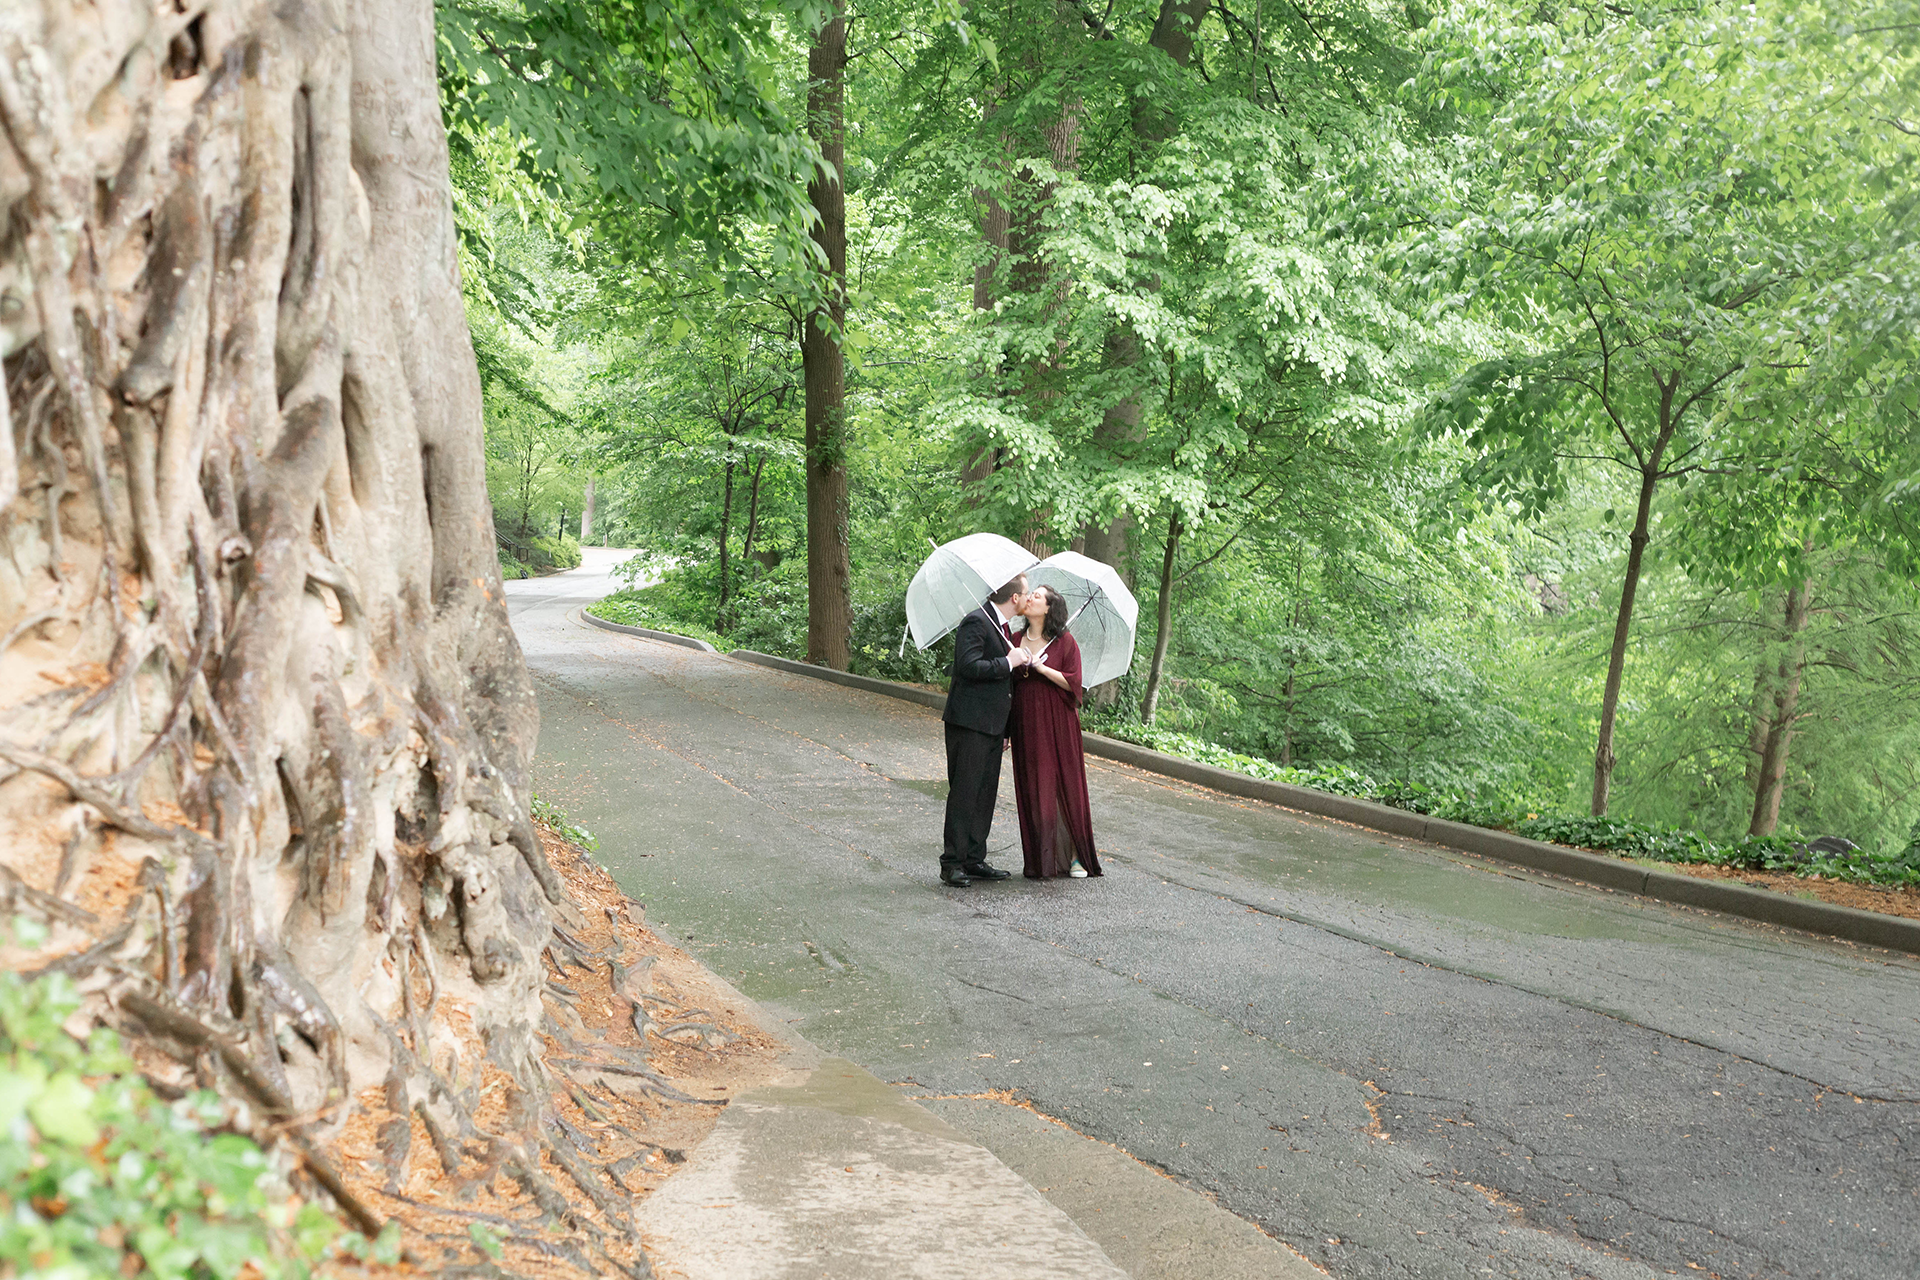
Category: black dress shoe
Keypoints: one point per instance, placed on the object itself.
(955, 877)
(981, 871)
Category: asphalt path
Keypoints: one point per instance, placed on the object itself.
(1401, 1061)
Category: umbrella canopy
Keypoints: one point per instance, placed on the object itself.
(1101, 610)
(957, 579)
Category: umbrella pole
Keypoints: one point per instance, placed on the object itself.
(904, 633)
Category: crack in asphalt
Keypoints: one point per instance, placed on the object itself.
(1435, 962)
(815, 763)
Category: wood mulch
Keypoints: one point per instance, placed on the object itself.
(1903, 900)
(475, 1219)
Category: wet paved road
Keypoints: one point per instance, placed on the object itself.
(1401, 1061)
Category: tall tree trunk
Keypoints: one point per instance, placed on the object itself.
(1163, 622)
(244, 318)
(586, 512)
(753, 512)
(1781, 712)
(1603, 759)
(829, 567)
(993, 235)
(1033, 275)
(1120, 424)
(1760, 718)
(526, 496)
(1293, 656)
(726, 532)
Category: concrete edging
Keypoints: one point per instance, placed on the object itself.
(925, 697)
(646, 633)
(1896, 933)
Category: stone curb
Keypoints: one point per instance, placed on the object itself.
(925, 697)
(645, 633)
(1896, 933)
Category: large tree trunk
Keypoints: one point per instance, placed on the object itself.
(257, 676)
(1163, 623)
(829, 568)
(1120, 424)
(586, 513)
(1033, 275)
(993, 234)
(1776, 714)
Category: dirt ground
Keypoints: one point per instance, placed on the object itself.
(473, 1218)
(1902, 901)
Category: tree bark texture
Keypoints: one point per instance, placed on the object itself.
(829, 564)
(1776, 711)
(993, 234)
(1173, 33)
(259, 697)
(1033, 274)
(1603, 758)
(1163, 622)
(726, 535)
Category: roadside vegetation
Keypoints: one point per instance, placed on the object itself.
(102, 1177)
(1515, 406)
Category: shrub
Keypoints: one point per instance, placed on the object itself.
(562, 552)
(103, 1179)
(647, 608)
(1512, 813)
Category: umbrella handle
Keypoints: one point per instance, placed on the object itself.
(904, 633)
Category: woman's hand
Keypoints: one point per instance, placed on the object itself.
(1040, 666)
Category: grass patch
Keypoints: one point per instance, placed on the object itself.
(639, 608)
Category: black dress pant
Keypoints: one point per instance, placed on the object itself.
(973, 784)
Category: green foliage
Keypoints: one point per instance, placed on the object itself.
(1612, 835)
(1381, 309)
(540, 552)
(562, 552)
(656, 608)
(1754, 853)
(660, 122)
(565, 827)
(102, 1179)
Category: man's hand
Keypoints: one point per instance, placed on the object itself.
(1018, 657)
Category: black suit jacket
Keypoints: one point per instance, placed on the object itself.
(979, 693)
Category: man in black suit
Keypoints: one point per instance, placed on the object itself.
(979, 699)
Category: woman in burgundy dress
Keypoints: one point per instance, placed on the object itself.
(1049, 761)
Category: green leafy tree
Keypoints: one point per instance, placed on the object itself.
(1664, 199)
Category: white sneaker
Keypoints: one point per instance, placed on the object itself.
(1076, 871)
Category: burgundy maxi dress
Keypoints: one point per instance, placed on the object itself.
(1050, 767)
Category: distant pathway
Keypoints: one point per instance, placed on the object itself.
(1402, 1061)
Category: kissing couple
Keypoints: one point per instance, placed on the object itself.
(1023, 686)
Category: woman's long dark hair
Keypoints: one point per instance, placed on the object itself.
(1056, 621)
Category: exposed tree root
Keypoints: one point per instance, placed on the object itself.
(607, 1138)
(263, 724)
(264, 727)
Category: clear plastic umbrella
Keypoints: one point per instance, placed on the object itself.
(957, 579)
(1101, 612)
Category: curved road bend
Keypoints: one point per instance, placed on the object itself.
(1401, 1061)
